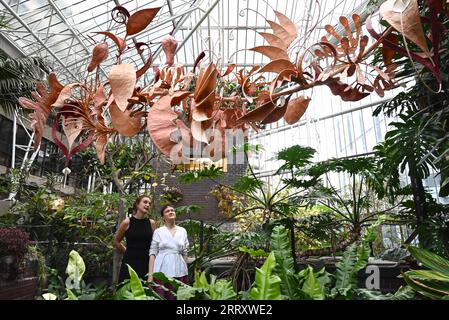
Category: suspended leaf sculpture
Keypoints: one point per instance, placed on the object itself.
(183, 110)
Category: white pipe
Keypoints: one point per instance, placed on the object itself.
(14, 135)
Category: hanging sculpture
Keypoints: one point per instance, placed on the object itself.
(182, 108)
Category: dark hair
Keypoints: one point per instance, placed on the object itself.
(139, 198)
(165, 207)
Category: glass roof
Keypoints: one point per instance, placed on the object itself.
(61, 31)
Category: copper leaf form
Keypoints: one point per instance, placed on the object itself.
(99, 100)
(198, 131)
(124, 122)
(228, 71)
(169, 45)
(346, 92)
(161, 123)
(204, 95)
(65, 94)
(72, 128)
(144, 69)
(281, 33)
(140, 20)
(406, 20)
(121, 44)
(274, 115)
(258, 114)
(387, 52)
(178, 96)
(274, 40)
(288, 25)
(394, 46)
(274, 53)
(43, 105)
(278, 66)
(296, 109)
(100, 146)
(99, 54)
(122, 78)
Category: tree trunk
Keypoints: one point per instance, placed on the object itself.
(419, 195)
(117, 256)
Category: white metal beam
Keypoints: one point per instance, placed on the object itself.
(75, 34)
(25, 25)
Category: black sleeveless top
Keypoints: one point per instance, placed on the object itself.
(138, 241)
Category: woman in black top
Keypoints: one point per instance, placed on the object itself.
(138, 232)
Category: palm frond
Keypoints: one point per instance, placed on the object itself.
(18, 77)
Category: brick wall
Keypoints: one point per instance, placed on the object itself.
(199, 193)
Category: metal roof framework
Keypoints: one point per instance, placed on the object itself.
(61, 31)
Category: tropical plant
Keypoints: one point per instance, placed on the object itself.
(263, 202)
(18, 77)
(434, 231)
(209, 290)
(73, 287)
(433, 283)
(277, 279)
(354, 206)
(171, 195)
(416, 142)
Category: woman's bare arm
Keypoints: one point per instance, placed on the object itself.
(119, 236)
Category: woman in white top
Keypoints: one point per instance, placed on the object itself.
(168, 251)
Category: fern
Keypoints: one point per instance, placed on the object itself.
(280, 245)
(267, 284)
(354, 259)
(344, 272)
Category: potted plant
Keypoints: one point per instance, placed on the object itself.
(13, 246)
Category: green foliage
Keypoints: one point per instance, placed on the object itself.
(246, 147)
(3, 23)
(215, 290)
(211, 172)
(404, 293)
(138, 293)
(296, 157)
(311, 286)
(171, 195)
(185, 210)
(18, 77)
(433, 283)
(254, 253)
(267, 284)
(354, 259)
(77, 290)
(247, 184)
(75, 267)
(284, 262)
(85, 222)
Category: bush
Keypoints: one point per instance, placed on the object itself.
(13, 242)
